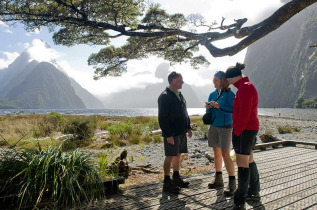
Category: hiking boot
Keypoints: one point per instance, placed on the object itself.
(256, 197)
(178, 181)
(239, 207)
(217, 183)
(231, 188)
(170, 187)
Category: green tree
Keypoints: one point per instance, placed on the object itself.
(149, 29)
(299, 102)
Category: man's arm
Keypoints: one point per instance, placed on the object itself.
(163, 115)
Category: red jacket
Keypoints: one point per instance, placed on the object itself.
(245, 107)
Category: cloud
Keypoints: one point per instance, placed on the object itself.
(9, 58)
(34, 31)
(2, 24)
(26, 45)
(40, 51)
(139, 74)
(8, 31)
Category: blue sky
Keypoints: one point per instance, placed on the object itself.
(14, 40)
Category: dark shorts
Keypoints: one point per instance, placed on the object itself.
(244, 143)
(179, 146)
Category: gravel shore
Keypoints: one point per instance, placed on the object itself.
(154, 153)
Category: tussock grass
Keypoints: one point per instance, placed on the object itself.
(40, 177)
(47, 127)
(81, 128)
(287, 129)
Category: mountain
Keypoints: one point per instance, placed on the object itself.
(90, 101)
(27, 83)
(282, 66)
(147, 96)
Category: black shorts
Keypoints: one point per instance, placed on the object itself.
(244, 143)
(179, 146)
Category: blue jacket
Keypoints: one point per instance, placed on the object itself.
(223, 115)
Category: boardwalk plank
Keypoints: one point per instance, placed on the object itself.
(288, 180)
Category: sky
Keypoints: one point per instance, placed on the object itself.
(73, 60)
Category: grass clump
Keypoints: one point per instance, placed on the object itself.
(147, 138)
(269, 132)
(287, 129)
(135, 139)
(50, 123)
(39, 177)
(81, 128)
(104, 161)
(157, 139)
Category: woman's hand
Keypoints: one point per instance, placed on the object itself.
(215, 104)
(207, 106)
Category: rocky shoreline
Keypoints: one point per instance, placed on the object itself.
(195, 161)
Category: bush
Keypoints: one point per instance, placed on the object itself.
(154, 124)
(73, 143)
(50, 123)
(42, 130)
(104, 160)
(82, 129)
(157, 139)
(50, 176)
(135, 139)
(105, 125)
(147, 139)
(287, 129)
(269, 132)
(56, 120)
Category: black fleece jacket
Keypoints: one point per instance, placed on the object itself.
(172, 114)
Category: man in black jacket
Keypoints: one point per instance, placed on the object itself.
(175, 123)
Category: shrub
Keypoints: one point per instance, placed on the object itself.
(154, 124)
(147, 138)
(135, 139)
(56, 120)
(50, 123)
(105, 125)
(116, 129)
(287, 129)
(73, 143)
(82, 129)
(268, 132)
(104, 161)
(157, 139)
(42, 129)
(50, 176)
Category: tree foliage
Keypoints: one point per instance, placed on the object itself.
(149, 29)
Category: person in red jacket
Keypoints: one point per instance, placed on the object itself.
(245, 128)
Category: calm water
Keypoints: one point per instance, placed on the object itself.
(308, 114)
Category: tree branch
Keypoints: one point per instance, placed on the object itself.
(259, 30)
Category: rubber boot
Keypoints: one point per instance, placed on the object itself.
(218, 181)
(254, 185)
(243, 183)
(231, 188)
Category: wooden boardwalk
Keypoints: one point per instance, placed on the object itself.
(288, 178)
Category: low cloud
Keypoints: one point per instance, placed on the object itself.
(8, 58)
(40, 51)
(2, 24)
(33, 32)
(8, 31)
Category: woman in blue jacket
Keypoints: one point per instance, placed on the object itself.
(220, 131)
